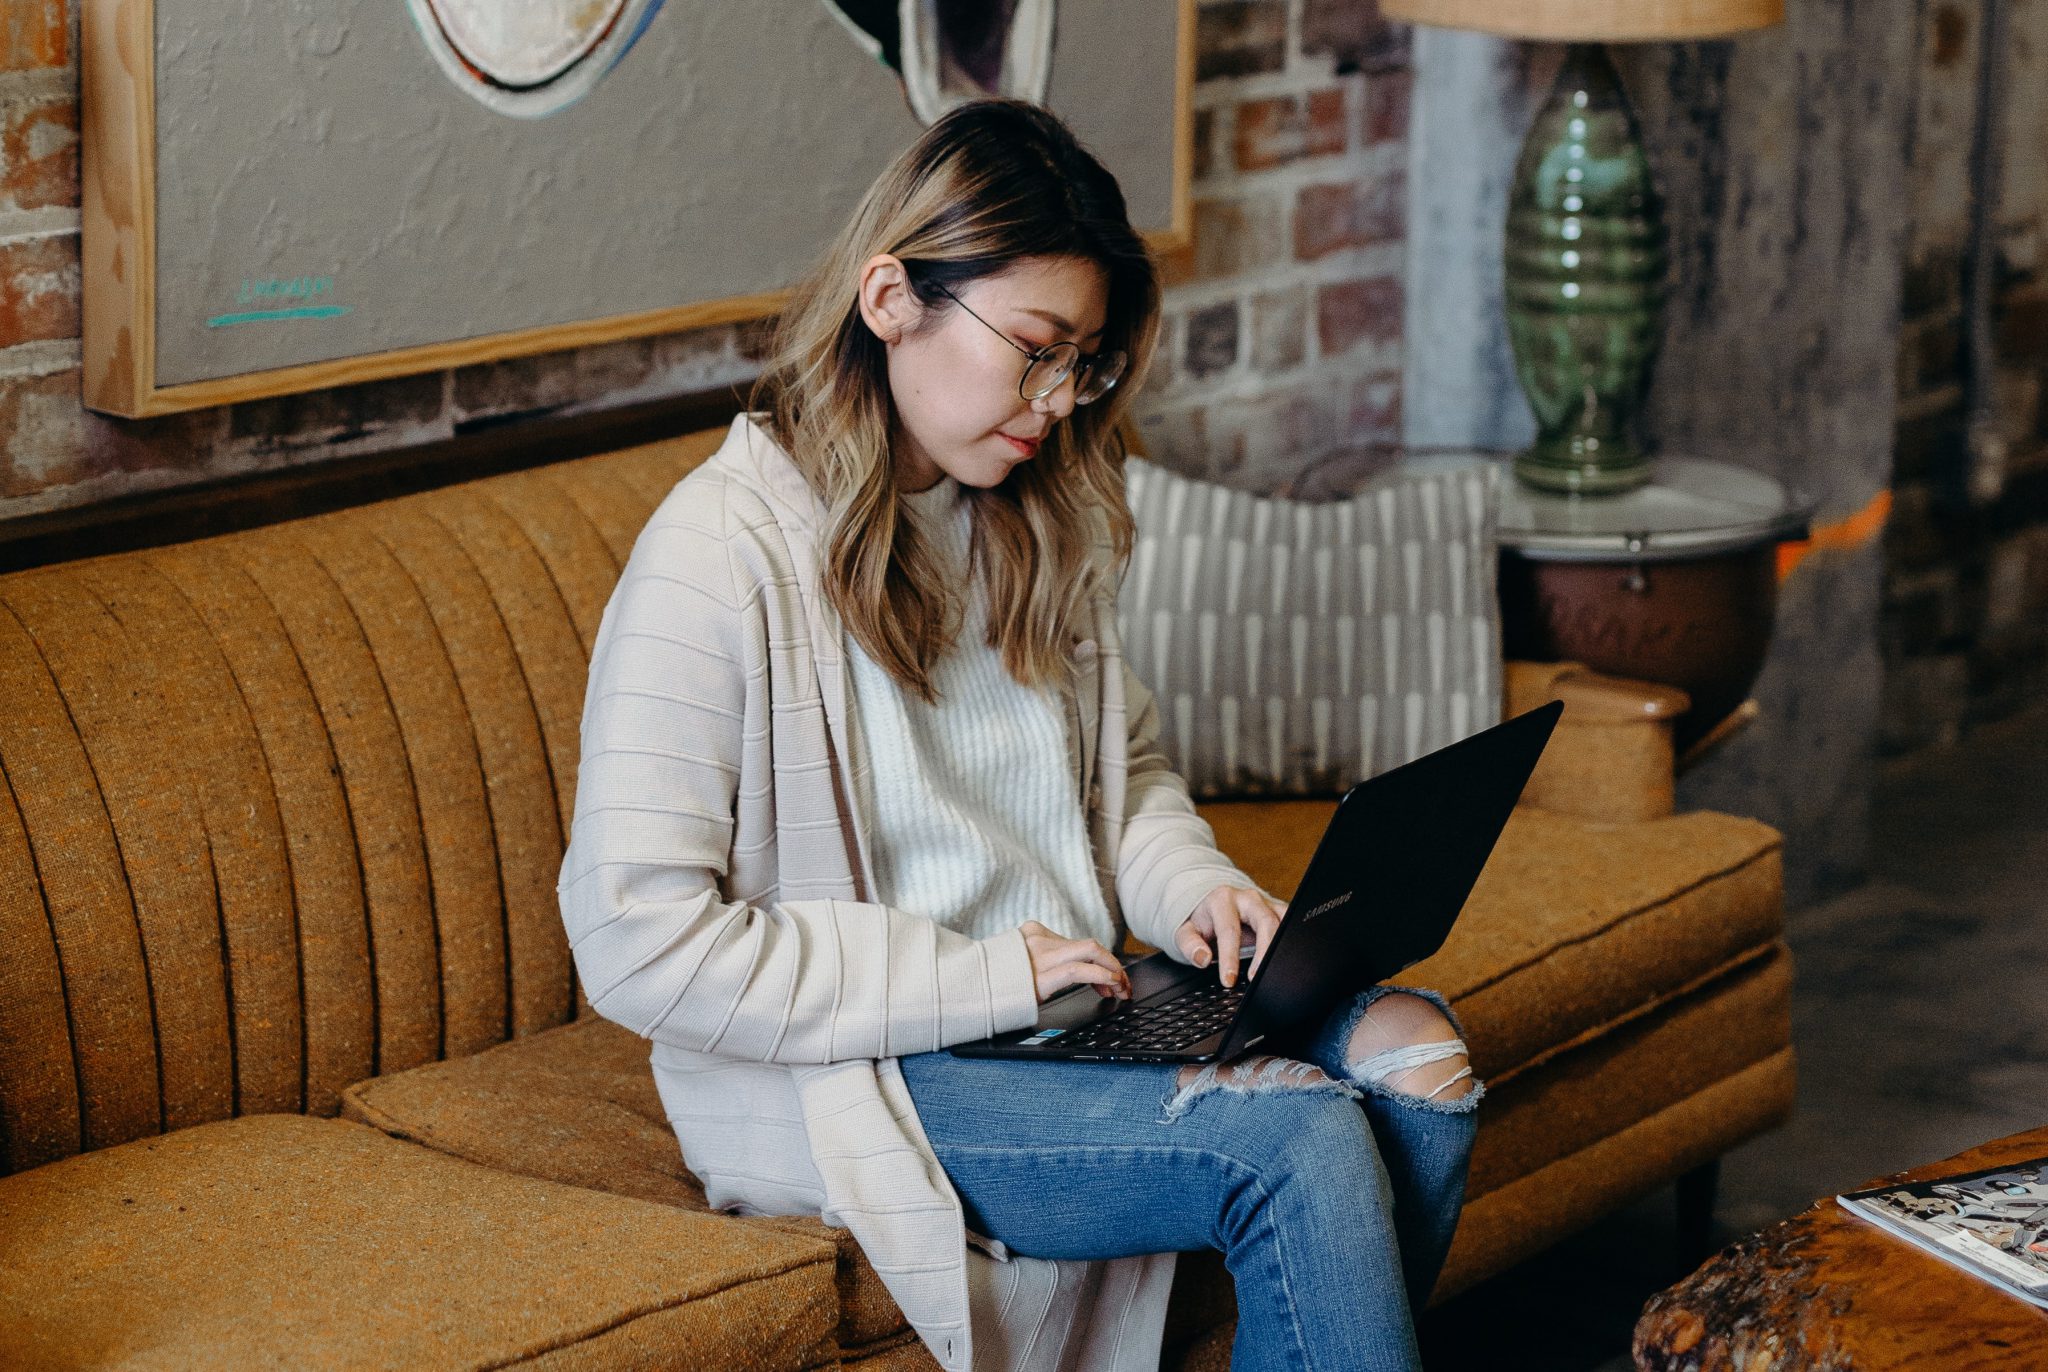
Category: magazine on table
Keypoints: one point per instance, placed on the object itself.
(1992, 1224)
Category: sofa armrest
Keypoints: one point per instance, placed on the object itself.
(1610, 758)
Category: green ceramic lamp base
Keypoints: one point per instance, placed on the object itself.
(1589, 468)
(1584, 281)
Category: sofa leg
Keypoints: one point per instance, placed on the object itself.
(1696, 1214)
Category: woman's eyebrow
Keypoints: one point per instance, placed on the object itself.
(1063, 325)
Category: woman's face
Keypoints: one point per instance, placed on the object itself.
(954, 379)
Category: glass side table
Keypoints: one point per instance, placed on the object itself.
(1673, 582)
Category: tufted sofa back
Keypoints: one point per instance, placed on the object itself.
(283, 809)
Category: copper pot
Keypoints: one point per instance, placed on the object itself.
(1702, 624)
(1676, 583)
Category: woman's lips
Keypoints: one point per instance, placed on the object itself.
(1025, 447)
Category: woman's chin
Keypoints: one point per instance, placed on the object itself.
(989, 469)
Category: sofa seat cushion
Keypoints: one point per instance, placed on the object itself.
(1575, 927)
(577, 1105)
(291, 1241)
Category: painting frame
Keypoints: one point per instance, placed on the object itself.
(118, 247)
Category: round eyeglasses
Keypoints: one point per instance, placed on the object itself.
(1094, 376)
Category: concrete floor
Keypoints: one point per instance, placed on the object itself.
(1916, 1020)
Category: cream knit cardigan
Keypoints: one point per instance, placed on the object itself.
(716, 898)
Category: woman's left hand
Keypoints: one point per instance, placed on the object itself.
(1230, 917)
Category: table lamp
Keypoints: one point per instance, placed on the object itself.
(1585, 234)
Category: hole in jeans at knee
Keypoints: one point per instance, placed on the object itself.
(1404, 1047)
(1247, 1077)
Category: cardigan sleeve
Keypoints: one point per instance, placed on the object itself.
(677, 715)
(1168, 860)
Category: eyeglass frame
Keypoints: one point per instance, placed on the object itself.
(1084, 365)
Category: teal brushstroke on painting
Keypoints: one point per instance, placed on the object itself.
(300, 312)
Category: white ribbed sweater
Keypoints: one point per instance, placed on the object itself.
(717, 895)
(976, 819)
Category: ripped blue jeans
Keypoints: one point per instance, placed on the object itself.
(1332, 1200)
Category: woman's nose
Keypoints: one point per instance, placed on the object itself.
(1059, 401)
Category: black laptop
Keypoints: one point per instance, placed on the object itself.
(1387, 881)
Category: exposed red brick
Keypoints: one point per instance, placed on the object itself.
(1231, 236)
(1265, 440)
(1268, 132)
(1280, 329)
(33, 34)
(1325, 220)
(1331, 218)
(1376, 409)
(1388, 97)
(1283, 129)
(1348, 312)
(39, 153)
(1176, 437)
(1240, 37)
(1354, 464)
(1176, 265)
(306, 421)
(1354, 34)
(185, 442)
(39, 288)
(40, 447)
(1163, 362)
(1204, 139)
(512, 385)
(1211, 340)
(1383, 207)
(624, 363)
(754, 339)
(1326, 124)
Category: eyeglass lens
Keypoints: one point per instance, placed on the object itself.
(1053, 366)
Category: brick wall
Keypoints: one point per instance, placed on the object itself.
(1283, 334)
(1283, 339)
(1965, 619)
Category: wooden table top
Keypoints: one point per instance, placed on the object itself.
(1828, 1291)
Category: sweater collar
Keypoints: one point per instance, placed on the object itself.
(751, 454)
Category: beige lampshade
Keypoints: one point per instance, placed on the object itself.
(1603, 21)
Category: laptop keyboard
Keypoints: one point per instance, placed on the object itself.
(1175, 1024)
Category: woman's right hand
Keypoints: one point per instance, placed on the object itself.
(1059, 963)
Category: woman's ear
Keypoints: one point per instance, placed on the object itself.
(887, 305)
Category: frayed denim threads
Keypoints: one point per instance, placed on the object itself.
(1330, 1047)
(1275, 1074)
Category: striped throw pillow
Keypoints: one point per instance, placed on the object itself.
(1295, 647)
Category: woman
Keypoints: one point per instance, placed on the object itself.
(864, 776)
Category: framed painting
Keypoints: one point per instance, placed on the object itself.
(288, 197)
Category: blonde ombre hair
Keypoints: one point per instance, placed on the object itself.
(986, 186)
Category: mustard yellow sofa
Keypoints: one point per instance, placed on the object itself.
(294, 1069)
